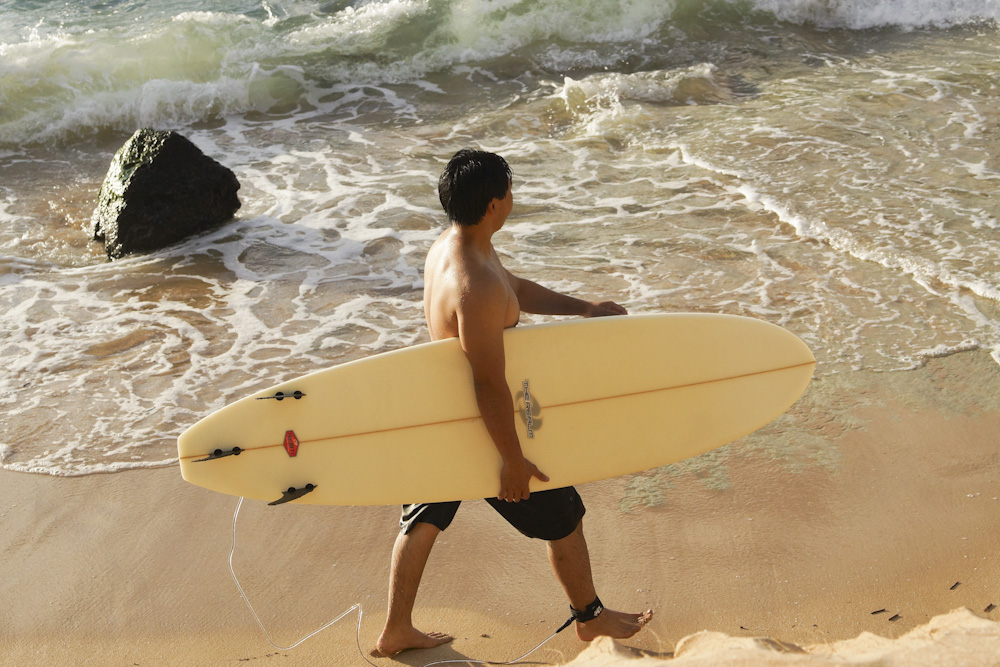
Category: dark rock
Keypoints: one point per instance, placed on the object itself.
(160, 189)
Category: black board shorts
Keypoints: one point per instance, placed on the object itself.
(545, 515)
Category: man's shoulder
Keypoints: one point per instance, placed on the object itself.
(456, 261)
(479, 282)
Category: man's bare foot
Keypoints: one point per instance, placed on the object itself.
(393, 642)
(614, 624)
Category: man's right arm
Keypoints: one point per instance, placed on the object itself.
(480, 325)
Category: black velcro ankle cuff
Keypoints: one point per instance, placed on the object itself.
(592, 611)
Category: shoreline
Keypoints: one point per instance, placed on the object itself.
(871, 494)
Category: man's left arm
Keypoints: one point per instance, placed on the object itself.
(540, 300)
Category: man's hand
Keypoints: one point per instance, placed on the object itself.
(515, 475)
(604, 309)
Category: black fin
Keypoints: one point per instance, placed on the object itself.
(280, 396)
(220, 453)
(292, 493)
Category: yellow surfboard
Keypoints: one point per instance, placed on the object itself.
(594, 399)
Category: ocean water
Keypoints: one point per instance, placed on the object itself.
(829, 166)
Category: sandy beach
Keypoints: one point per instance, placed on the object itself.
(878, 538)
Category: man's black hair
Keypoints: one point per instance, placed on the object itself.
(470, 182)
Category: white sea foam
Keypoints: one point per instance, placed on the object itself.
(864, 14)
(608, 94)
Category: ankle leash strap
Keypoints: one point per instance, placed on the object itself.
(592, 611)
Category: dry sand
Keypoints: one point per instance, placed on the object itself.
(838, 533)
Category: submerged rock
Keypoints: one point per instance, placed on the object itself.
(160, 189)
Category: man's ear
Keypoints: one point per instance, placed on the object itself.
(492, 208)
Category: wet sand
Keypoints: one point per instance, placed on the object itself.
(871, 507)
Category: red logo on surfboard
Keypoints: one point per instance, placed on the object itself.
(291, 443)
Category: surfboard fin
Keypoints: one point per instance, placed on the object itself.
(292, 493)
(280, 396)
(220, 453)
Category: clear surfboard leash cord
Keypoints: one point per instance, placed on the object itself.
(352, 608)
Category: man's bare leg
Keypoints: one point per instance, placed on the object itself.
(571, 562)
(409, 556)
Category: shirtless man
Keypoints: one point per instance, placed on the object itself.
(469, 295)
